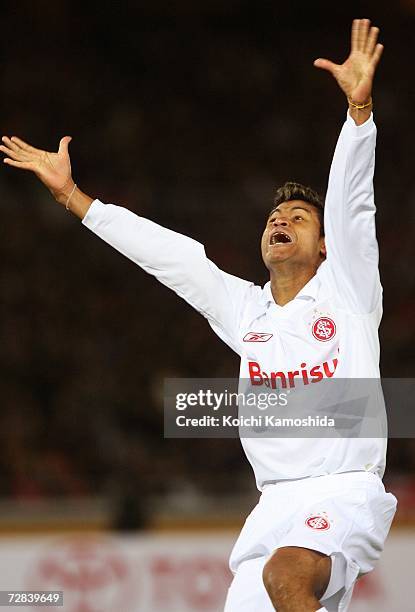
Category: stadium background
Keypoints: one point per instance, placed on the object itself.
(188, 113)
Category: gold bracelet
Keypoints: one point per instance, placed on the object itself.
(360, 106)
(69, 199)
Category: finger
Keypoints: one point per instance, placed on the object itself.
(23, 145)
(6, 150)
(355, 34)
(17, 164)
(18, 155)
(13, 146)
(63, 144)
(377, 54)
(371, 40)
(326, 64)
(362, 34)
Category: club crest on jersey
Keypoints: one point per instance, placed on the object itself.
(318, 522)
(257, 337)
(324, 329)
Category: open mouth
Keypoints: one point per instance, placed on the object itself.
(280, 238)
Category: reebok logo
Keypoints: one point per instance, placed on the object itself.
(257, 337)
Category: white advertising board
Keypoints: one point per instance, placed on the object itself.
(173, 573)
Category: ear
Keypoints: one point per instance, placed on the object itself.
(323, 251)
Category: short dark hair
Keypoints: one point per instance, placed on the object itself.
(296, 191)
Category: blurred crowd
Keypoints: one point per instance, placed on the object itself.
(190, 114)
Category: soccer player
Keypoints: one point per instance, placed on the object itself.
(323, 515)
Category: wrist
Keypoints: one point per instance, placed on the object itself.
(360, 104)
(62, 194)
(360, 111)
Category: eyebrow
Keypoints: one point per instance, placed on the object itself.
(291, 209)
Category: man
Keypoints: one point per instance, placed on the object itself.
(323, 515)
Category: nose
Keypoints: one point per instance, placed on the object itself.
(280, 222)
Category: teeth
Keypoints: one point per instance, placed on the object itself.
(280, 238)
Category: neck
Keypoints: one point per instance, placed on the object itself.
(286, 283)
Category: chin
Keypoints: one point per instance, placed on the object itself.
(275, 259)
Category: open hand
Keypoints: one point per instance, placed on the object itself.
(355, 75)
(53, 169)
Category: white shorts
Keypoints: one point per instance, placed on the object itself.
(345, 516)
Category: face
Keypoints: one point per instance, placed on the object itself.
(292, 233)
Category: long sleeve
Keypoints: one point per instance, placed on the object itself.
(178, 262)
(349, 219)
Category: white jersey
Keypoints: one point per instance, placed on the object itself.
(330, 329)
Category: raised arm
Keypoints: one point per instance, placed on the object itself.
(175, 260)
(352, 250)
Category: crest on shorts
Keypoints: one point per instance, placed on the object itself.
(318, 522)
(324, 329)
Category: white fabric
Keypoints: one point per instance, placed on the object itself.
(345, 516)
(346, 289)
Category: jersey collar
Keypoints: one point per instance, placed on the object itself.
(308, 292)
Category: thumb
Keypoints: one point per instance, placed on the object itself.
(63, 145)
(326, 64)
